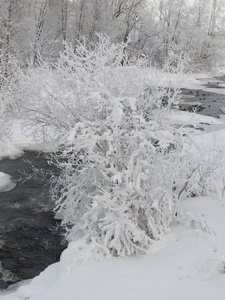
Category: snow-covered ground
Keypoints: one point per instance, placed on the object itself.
(188, 263)
(19, 141)
(6, 183)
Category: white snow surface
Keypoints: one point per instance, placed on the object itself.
(188, 263)
(6, 183)
(20, 140)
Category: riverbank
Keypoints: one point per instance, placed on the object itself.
(188, 263)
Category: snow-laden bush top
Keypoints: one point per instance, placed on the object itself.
(117, 173)
(123, 169)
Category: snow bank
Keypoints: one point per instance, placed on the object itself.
(186, 264)
(177, 117)
(6, 183)
(200, 81)
(191, 81)
(20, 139)
(8, 150)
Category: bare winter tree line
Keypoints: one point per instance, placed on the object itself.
(159, 30)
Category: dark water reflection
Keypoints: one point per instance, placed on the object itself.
(209, 103)
(30, 238)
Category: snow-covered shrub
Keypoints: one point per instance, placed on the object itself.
(119, 162)
(205, 171)
(117, 176)
(57, 95)
(117, 165)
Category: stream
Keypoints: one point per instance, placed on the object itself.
(205, 102)
(30, 238)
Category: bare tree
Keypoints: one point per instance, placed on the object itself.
(159, 29)
(64, 19)
(212, 21)
(40, 17)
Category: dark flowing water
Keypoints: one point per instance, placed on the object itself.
(205, 102)
(30, 238)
